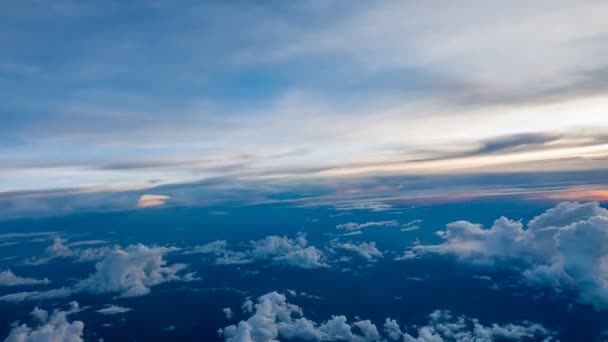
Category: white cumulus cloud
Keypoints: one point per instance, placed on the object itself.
(127, 272)
(365, 250)
(53, 327)
(279, 250)
(274, 319)
(566, 247)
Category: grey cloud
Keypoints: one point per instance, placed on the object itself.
(509, 142)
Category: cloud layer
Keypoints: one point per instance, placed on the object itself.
(368, 89)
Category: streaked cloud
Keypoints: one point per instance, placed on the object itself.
(113, 310)
(8, 278)
(600, 195)
(252, 93)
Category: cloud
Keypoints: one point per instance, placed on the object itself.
(8, 278)
(599, 195)
(365, 250)
(113, 310)
(515, 141)
(565, 248)
(228, 313)
(8, 239)
(273, 318)
(127, 272)
(279, 250)
(148, 200)
(359, 226)
(62, 292)
(59, 249)
(411, 226)
(51, 327)
(403, 66)
(215, 247)
(289, 252)
(131, 272)
(443, 325)
(391, 38)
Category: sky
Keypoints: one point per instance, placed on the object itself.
(319, 170)
(113, 96)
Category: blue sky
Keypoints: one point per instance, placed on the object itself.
(112, 96)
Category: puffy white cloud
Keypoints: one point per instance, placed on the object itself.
(274, 319)
(392, 329)
(564, 248)
(8, 278)
(130, 271)
(52, 327)
(366, 250)
(567, 213)
(442, 326)
(279, 250)
(127, 272)
(113, 310)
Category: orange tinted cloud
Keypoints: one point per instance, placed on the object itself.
(149, 200)
(599, 195)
